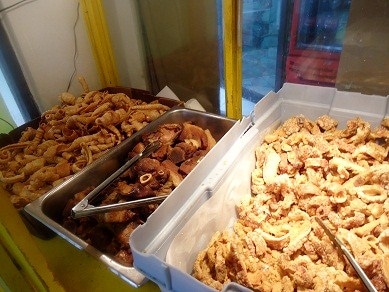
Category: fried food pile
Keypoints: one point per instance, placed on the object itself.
(183, 146)
(69, 137)
(305, 169)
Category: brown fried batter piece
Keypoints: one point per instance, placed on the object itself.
(194, 135)
(293, 125)
(181, 152)
(165, 133)
(100, 236)
(123, 234)
(188, 165)
(146, 165)
(326, 123)
(210, 263)
(176, 155)
(385, 123)
(117, 216)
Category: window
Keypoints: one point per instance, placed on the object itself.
(14, 90)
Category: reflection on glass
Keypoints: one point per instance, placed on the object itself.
(182, 48)
(263, 37)
(322, 24)
(316, 38)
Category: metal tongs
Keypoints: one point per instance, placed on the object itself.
(84, 208)
(336, 241)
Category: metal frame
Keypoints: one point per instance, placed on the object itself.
(232, 44)
(96, 25)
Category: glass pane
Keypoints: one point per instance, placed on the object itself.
(16, 102)
(10, 115)
(322, 24)
(263, 41)
(182, 48)
(364, 62)
(316, 38)
(290, 41)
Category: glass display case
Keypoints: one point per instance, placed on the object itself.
(181, 45)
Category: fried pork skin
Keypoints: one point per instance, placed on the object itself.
(306, 169)
(69, 137)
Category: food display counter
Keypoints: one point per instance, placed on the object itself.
(167, 245)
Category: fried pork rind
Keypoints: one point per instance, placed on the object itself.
(305, 169)
(70, 136)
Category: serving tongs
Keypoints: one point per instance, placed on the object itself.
(84, 208)
(339, 244)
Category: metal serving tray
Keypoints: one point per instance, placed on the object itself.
(14, 135)
(48, 208)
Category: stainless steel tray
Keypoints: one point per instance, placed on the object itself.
(48, 208)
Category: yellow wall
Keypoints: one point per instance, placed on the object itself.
(10, 277)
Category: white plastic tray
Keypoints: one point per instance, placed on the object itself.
(166, 246)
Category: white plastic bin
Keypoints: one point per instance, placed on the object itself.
(166, 246)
